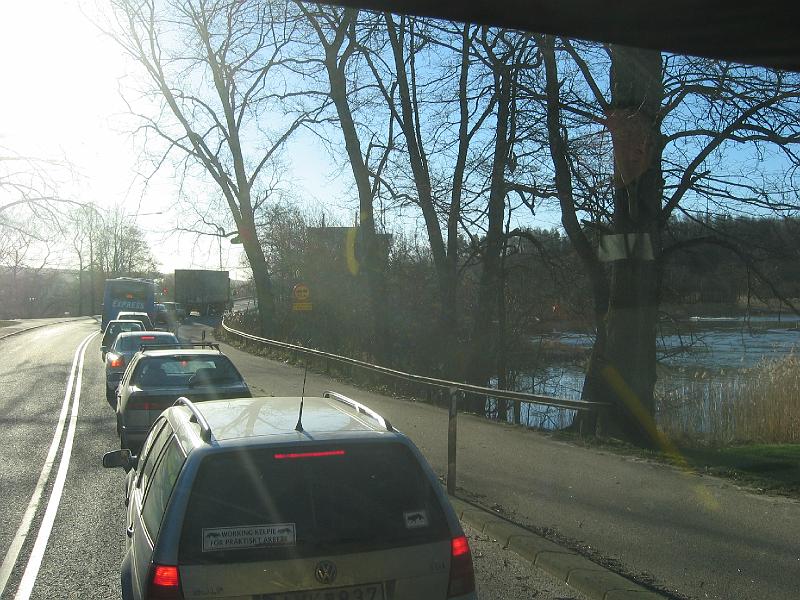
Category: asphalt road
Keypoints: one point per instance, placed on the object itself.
(692, 535)
(76, 535)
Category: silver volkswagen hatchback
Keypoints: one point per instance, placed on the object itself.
(260, 499)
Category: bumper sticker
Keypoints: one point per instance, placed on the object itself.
(248, 536)
(415, 519)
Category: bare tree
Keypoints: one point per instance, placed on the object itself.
(29, 194)
(118, 244)
(506, 54)
(672, 124)
(335, 32)
(440, 124)
(82, 238)
(219, 72)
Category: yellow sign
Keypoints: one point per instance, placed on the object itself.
(301, 293)
(301, 306)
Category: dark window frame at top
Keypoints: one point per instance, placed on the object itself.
(757, 33)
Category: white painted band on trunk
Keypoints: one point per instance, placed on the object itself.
(624, 246)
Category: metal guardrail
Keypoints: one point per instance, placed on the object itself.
(579, 405)
(455, 388)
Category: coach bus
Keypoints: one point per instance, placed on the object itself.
(126, 293)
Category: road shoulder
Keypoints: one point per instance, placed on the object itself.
(578, 572)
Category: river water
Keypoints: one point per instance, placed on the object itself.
(702, 360)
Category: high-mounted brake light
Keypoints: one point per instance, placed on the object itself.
(117, 360)
(147, 337)
(165, 583)
(462, 575)
(147, 405)
(310, 454)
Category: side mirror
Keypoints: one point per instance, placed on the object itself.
(119, 458)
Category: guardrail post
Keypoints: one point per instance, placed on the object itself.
(594, 425)
(452, 435)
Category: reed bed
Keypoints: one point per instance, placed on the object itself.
(757, 405)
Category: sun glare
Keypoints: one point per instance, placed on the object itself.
(61, 101)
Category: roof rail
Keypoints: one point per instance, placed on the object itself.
(205, 428)
(213, 345)
(145, 347)
(360, 408)
(180, 346)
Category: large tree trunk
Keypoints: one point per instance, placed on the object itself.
(261, 276)
(454, 362)
(621, 369)
(629, 369)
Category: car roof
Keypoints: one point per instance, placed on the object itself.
(133, 312)
(269, 419)
(134, 333)
(124, 321)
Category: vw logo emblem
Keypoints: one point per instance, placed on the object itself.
(325, 572)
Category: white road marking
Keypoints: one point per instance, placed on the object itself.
(21, 534)
(37, 554)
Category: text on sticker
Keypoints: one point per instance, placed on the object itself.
(249, 536)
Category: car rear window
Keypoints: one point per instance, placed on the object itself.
(186, 370)
(144, 318)
(116, 328)
(250, 504)
(130, 343)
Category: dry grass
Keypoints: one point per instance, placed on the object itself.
(760, 405)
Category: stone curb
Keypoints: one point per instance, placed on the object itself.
(577, 571)
(18, 331)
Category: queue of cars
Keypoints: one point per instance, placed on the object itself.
(309, 498)
(123, 349)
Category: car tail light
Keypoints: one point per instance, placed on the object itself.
(148, 338)
(462, 576)
(310, 454)
(117, 361)
(165, 583)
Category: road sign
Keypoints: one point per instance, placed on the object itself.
(301, 298)
(301, 293)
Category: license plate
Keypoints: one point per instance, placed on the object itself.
(373, 591)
